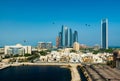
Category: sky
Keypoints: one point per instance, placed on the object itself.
(41, 20)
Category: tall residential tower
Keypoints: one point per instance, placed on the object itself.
(75, 36)
(66, 36)
(104, 34)
(70, 38)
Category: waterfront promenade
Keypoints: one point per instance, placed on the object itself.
(74, 73)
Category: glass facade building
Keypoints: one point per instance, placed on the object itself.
(67, 38)
(70, 38)
(75, 36)
(60, 39)
(18, 49)
(15, 51)
(104, 34)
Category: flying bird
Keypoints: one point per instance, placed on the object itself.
(53, 23)
(87, 25)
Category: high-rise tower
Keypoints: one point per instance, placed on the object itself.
(104, 34)
(62, 36)
(66, 36)
(70, 38)
(60, 39)
(57, 41)
(75, 36)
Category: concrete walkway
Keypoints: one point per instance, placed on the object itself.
(74, 73)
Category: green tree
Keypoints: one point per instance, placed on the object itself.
(109, 50)
(16, 55)
(27, 55)
(95, 52)
(7, 56)
(73, 51)
(43, 53)
(31, 58)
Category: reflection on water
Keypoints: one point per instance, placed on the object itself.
(35, 73)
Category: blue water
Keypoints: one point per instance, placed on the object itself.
(35, 73)
(83, 78)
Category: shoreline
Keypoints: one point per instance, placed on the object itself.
(5, 66)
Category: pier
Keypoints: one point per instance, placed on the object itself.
(74, 73)
(4, 66)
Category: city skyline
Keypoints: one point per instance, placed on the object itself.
(37, 21)
(66, 38)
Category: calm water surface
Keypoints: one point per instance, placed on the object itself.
(35, 73)
(83, 78)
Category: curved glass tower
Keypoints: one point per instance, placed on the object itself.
(60, 39)
(75, 36)
(66, 37)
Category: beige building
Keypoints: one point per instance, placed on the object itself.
(44, 46)
(76, 46)
(1, 50)
(18, 49)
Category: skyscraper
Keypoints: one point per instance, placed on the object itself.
(75, 36)
(70, 38)
(104, 34)
(62, 36)
(57, 41)
(60, 39)
(66, 36)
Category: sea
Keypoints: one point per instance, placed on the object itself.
(35, 73)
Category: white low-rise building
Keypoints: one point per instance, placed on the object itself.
(17, 49)
(97, 59)
(74, 57)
